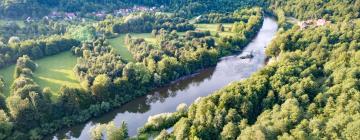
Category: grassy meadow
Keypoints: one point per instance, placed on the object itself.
(119, 46)
(20, 23)
(213, 27)
(53, 72)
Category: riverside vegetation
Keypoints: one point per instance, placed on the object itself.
(107, 80)
(310, 89)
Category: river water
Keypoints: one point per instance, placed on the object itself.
(166, 99)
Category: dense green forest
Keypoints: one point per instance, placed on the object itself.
(331, 9)
(308, 90)
(39, 8)
(107, 80)
(311, 91)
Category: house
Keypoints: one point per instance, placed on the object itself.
(321, 22)
(308, 22)
(28, 19)
(55, 15)
(123, 12)
(100, 14)
(70, 16)
(303, 24)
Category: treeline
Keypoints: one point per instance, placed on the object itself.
(175, 56)
(184, 8)
(39, 8)
(191, 8)
(31, 30)
(109, 130)
(162, 121)
(216, 18)
(108, 81)
(34, 48)
(28, 104)
(309, 91)
(245, 30)
(143, 23)
(242, 14)
(334, 10)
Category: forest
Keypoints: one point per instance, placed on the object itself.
(309, 89)
(107, 80)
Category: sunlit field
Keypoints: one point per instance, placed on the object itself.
(119, 46)
(53, 72)
(213, 28)
(20, 23)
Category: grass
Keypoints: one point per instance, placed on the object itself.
(20, 23)
(213, 28)
(119, 46)
(53, 72)
(118, 42)
(8, 74)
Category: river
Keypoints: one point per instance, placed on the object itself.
(166, 99)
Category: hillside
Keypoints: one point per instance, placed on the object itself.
(64, 63)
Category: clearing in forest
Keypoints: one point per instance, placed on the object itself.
(52, 71)
(118, 43)
(212, 27)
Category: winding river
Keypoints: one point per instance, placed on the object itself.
(166, 99)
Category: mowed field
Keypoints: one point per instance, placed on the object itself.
(18, 22)
(52, 71)
(213, 28)
(118, 43)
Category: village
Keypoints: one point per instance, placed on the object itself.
(99, 15)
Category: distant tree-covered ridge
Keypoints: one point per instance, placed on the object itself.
(40, 8)
(340, 9)
(34, 48)
(329, 9)
(143, 23)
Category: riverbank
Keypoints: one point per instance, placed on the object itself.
(165, 99)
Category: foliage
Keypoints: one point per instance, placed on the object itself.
(35, 48)
(163, 121)
(309, 91)
(84, 33)
(186, 8)
(335, 10)
(110, 131)
(28, 105)
(145, 23)
(30, 30)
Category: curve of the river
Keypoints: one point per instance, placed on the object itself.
(166, 99)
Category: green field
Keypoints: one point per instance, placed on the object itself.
(20, 23)
(118, 43)
(213, 27)
(53, 72)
